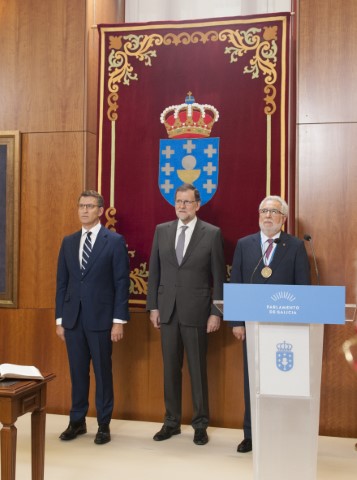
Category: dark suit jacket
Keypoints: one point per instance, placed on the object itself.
(102, 292)
(195, 283)
(290, 264)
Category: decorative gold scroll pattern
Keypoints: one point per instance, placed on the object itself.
(264, 59)
(123, 49)
(138, 278)
(110, 217)
(120, 68)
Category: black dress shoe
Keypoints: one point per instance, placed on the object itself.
(245, 446)
(73, 430)
(200, 437)
(103, 435)
(166, 432)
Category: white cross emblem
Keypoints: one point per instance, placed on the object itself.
(168, 152)
(167, 186)
(209, 168)
(210, 151)
(189, 146)
(209, 186)
(167, 169)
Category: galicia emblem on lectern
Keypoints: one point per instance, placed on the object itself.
(284, 356)
(189, 155)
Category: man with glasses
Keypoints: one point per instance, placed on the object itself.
(269, 256)
(91, 308)
(186, 273)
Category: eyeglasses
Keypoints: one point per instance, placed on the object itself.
(273, 211)
(88, 206)
(184, 202)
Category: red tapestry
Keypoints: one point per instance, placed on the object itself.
(203, 101)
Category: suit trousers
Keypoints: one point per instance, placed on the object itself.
(175, 340)
(84, 345)
(247, 422)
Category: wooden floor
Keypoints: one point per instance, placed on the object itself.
(132, 454)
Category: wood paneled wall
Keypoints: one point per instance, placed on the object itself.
(48, 86)
(48, 93)
(327, 175)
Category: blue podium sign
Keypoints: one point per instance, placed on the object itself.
(284, 303)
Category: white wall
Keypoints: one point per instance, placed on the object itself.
(153, 10)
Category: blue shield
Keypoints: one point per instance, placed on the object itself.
(189, 160)
(284, 360)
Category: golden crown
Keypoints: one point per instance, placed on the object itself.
(189, 119)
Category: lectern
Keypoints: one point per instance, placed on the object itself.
(284, 329)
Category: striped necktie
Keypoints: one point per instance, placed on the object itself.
(87, 250)
(268, 250)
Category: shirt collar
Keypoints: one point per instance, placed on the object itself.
(191, 225)
(264, 238)
(94, 230)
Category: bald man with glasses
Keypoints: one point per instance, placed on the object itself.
(269, 256)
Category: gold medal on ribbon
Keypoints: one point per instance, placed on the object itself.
(266, 272)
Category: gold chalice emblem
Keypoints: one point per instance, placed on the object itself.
(189, 174)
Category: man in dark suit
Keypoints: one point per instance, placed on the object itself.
(187, 271)
(91, 308)
(257, 259)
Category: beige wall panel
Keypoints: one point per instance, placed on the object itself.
(42, 50)
(327, 61)
(51, 180)
(327, 210)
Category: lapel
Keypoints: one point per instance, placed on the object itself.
(76, 239)
(256, 246)
(171, 238)
(100, 243)
(280, 251)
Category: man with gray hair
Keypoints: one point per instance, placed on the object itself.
(268, 256)
(187, 271)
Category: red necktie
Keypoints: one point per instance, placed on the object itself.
(269, 249)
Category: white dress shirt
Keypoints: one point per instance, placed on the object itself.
(265, 244)
(188, 233)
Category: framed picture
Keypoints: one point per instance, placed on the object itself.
(9, 216)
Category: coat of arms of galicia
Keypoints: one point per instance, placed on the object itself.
(284, 356)
(189, 155)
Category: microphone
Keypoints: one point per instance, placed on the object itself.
(308, 238)
(276, 241)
